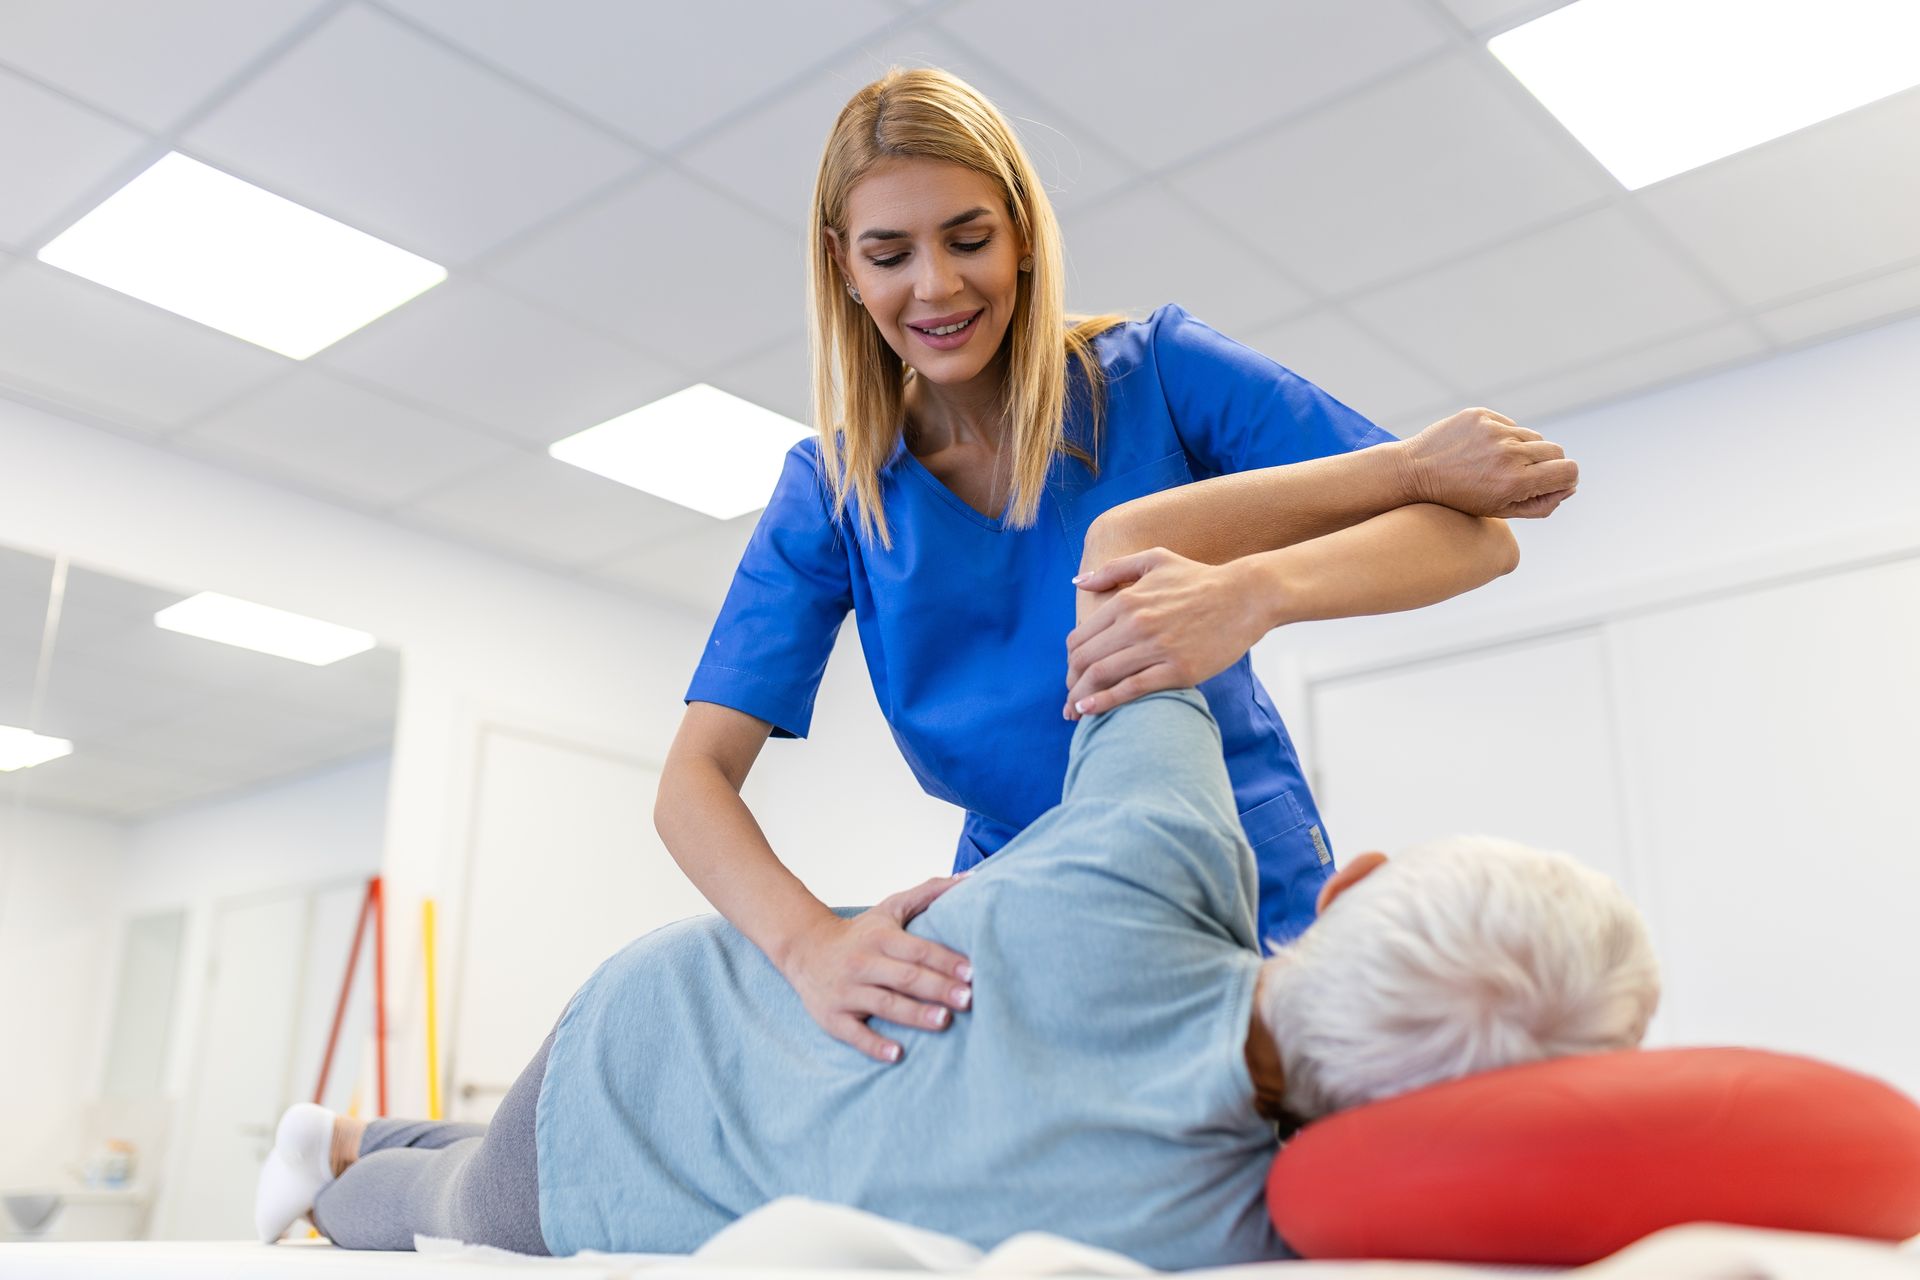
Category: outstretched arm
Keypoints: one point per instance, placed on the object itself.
(1156, 612)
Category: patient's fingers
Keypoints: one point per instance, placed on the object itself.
(1100, 644)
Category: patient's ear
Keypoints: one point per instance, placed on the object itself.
(1348, 876)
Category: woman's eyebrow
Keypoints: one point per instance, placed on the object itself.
(954, 221)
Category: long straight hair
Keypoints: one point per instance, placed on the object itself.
(929, 113)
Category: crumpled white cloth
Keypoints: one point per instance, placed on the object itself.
(797, 1234)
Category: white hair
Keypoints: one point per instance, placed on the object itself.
(1459, 956)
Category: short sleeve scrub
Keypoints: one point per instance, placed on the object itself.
(964, 622)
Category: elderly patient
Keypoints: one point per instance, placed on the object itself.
(1118, 1079)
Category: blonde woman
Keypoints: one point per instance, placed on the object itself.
(970, 433)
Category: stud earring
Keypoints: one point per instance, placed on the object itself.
(852, 292)
(1026, 263)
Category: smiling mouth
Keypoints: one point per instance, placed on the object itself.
(945, 330)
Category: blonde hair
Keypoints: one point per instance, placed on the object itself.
(928, 113)
(1460, 956)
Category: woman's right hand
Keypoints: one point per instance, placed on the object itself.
(1486, 464)
(849, 970)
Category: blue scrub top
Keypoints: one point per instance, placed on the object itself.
(964, 622)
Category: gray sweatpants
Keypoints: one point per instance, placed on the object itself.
(473, 1182)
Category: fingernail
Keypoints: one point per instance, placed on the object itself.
(964, 973)
(1083, 706)
(963, 996)
(893, 1053)
(1077, 577)
(936, 1017)
(962, 875)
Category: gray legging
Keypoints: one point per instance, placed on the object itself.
(473, 1182)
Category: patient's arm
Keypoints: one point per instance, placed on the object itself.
(1156, 611)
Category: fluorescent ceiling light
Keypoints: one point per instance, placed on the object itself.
(23, 748)
(212, 616)
(1657, 87)
(700, 447)
(205, 245)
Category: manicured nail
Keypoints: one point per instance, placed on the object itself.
(893, 1053)
(963, 996)
(1077, 577)
(964, 973)
(962, 875)
(936, 1017)
(1083, 706)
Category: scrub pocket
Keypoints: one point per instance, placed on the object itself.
(1077, 511)
(1292, 860)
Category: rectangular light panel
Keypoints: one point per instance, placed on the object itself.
(212, 616)
(1656, 87)
(23, 748)
(205, 245)
(700, 447)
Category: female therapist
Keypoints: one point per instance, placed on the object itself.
(980, 437)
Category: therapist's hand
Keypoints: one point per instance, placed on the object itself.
(1486, 464)
(1178, 622)
(847, 971)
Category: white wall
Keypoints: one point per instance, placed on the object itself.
(56, 945)
(1702, 678)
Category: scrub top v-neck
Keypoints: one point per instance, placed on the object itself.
(963, 622)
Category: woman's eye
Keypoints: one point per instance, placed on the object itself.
(974, 247)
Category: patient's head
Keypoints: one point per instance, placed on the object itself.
(1459, 956)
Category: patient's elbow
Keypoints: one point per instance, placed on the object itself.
(1507, 557)
(1109, 537)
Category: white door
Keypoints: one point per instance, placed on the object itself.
(565, 870)
(1773, 748)
(271, 956)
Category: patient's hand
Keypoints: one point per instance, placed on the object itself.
(847, 971)
(1178, 622)
(1486, 464)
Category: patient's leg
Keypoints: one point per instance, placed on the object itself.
(477, 1183)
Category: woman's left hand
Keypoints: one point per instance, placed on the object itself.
(1178, 622)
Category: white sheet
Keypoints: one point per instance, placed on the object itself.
(806, 1240)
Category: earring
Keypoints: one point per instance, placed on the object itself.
(1026, 263)
(852, 292)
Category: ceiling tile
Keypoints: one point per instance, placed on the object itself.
(230, 736)
(371, 123)
(93, 701)
(628, 64)
(686, 274)
(1818, 206)
(1432, 164)
(1145, 247)
(771, 157)
(104, 51)
(695, 569)
(106, 783)
(1874, 300)
(1715, 348)
(341, 441)
(54, 154)
(779, 378)
(72, 341)
(144, 648)
(486, 356)
(550, 511)
(1340, 358)
(1162, 81)
(1549, 302)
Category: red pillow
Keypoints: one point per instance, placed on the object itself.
(1563, 1162)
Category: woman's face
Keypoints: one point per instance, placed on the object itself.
(919, 260)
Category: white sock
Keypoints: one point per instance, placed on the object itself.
(300, 1163)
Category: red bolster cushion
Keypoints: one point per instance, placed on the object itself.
(1564, 1162)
